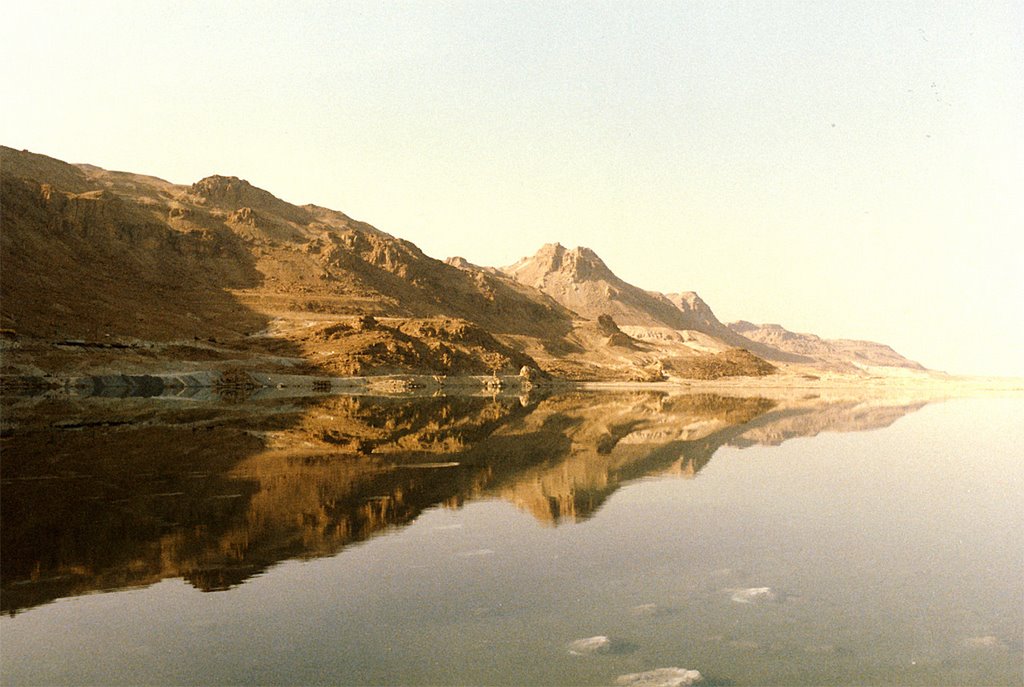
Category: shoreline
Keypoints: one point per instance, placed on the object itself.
(245, 384)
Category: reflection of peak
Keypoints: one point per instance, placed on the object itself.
(810, 417)
(615, 438)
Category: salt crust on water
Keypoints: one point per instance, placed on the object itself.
(590, 645)
(660, 677)
(754, 595)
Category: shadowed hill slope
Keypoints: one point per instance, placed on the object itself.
(102, 256)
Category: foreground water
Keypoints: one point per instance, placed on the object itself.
(571, 540)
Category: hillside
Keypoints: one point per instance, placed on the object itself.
(844, 355)
(578, 279)
(108, 272)
(131, 267)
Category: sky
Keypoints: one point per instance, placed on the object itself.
(852, 169)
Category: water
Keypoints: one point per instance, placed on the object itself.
(568, 540)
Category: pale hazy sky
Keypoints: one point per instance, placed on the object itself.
(854, 169)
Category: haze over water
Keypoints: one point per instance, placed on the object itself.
(343, 540)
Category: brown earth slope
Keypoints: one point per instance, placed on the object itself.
(137, 271)
(107, 272)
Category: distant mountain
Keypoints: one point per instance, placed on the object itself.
(578, 279)
(838, 354)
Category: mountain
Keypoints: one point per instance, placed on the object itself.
(844, 355)
(131, 267)
(109, 273)
(578, 279)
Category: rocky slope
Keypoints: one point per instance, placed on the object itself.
(133, 271)
(111, 272)
(578, 279)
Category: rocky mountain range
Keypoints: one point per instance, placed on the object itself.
(105, 271)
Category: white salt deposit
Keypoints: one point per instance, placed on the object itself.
(660, 677)
(753, 595)
(590, 645)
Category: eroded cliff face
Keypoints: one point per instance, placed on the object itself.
(138, 490)
(222, 266)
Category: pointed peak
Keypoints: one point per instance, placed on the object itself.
(576, 264)
(741, 326)
(547, 251)
(460, 262)
(690, 302)
(689, 297)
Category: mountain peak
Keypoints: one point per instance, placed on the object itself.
(234, 193)
(575, 265)
(698, 312)
(231, 190)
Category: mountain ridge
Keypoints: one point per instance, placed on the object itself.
(845, 353)
(578, 279)
(220, 272)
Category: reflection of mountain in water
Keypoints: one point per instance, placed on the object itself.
(104, 494)
(809, 417)
(606, 440)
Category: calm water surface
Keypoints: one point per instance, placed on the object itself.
(473, 541)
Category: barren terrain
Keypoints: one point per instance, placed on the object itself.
(113, 273)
